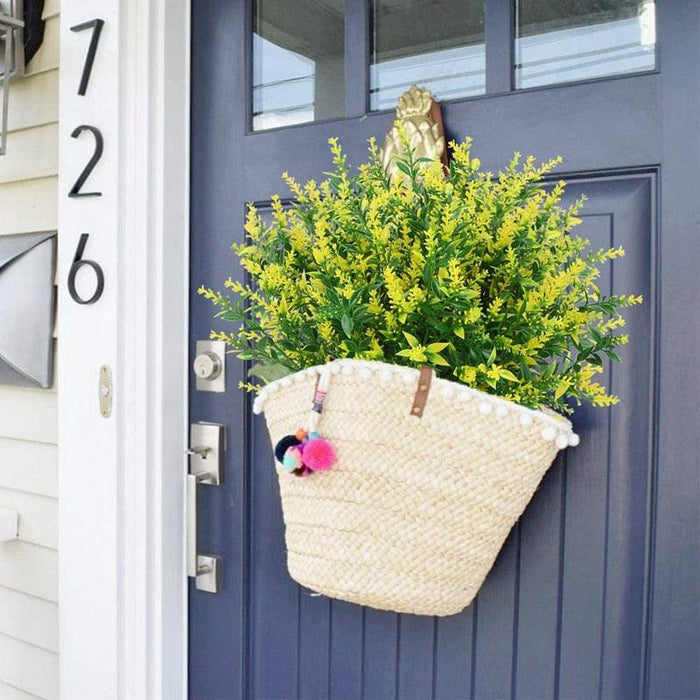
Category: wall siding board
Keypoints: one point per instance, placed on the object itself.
(9, 692)
(28, 414)
(28, 417)
(29, 568)
(30, 467)
(29, 619)
(29, 206)
(28, 667)
(33, 101)
(38, 522)
(37, 154)
(51, 8)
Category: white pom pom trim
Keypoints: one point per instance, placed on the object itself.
(549, 434)
(562, 441)
(554, 429)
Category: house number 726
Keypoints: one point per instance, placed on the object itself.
(78, 261)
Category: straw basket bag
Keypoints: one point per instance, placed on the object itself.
(430, 478)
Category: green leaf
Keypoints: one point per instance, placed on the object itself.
(561, 389)
(269, 372)
(437, 359)
(403, 166)
(436, 347)
(507, 374)
(525, 370)
(404, 353)
(459, 332)
(412, 340)
(347, 323)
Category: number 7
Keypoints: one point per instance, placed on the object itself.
(96, 25)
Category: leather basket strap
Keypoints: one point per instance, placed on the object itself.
(421, 396)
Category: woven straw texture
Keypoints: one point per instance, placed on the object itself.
(415, 511)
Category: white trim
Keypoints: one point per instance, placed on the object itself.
(123, 593)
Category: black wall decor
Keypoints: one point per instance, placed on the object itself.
(33, 28)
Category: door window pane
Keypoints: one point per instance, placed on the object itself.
(568, 40)
(298, 61)
(437, 44)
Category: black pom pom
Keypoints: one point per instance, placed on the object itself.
(284, 444)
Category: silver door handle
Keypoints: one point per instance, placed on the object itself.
(193, 569)
(206, 467)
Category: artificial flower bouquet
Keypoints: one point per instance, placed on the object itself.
(417, 342)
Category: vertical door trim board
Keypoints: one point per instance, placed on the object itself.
(123, 594)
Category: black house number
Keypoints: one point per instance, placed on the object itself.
(78, 263)
(96, 26)
(76, 191)
(99, 148)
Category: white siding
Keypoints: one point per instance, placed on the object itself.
(28, 420)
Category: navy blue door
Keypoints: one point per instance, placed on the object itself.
(595, 593)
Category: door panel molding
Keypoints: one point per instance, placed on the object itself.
(517, 121)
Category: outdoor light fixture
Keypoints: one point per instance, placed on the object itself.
(11, 57)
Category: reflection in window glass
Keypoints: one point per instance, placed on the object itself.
(568, 40)
(298, 61)
(438, 45)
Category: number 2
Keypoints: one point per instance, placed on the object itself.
(99, 147)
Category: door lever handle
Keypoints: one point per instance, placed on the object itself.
(201, 450)
(206, 460)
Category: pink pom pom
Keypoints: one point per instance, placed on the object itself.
(318, 455)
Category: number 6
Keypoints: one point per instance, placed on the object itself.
(78, 262)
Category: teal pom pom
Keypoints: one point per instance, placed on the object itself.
(292, 459)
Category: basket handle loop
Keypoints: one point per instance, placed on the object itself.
(421, 396)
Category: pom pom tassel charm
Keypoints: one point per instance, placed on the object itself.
(318, 455)
(306, 451)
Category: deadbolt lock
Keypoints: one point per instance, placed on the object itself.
(209, 365)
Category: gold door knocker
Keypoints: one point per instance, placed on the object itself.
(421, 118)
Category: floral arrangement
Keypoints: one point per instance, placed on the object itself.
(474, 274)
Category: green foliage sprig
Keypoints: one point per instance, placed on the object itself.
(474, 274)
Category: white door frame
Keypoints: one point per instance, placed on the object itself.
(122, 587)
